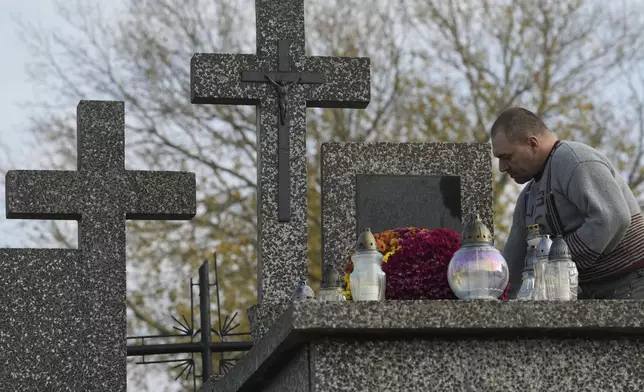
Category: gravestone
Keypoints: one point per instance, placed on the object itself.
(64, 310)
(388, 185)
(281, 81)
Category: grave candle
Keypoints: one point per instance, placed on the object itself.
(477, 270)
(331, 287)
(367, 279)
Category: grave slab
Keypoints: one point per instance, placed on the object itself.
(447, 345)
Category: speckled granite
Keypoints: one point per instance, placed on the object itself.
(295, 376)
(341, 162)
(471, 316)
(537, 365)
(344, 82)
(262, 317)
(45, 338)
(67, 308)
(353, 344)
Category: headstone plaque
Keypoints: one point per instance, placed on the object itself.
(388, 201)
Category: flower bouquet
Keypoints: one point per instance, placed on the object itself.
(415, 261)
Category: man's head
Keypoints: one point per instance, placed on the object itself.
(522, 143)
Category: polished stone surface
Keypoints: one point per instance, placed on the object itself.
(388, 201)
(295, 376)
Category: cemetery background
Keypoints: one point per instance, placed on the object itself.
(142, 56)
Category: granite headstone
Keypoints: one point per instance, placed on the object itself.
(387, 185)
(447, 345)
(281, 81)
(64, 311)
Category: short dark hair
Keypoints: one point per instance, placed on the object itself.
(518, 124)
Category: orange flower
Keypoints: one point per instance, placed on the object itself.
(381, 245)
(389, 239)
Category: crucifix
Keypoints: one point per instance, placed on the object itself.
(281, 81)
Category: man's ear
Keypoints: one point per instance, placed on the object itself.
(534, 144)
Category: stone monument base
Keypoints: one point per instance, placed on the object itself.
(447, 346)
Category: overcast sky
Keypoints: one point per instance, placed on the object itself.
(15, 89)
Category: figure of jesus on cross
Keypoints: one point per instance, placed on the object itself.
(281, 88)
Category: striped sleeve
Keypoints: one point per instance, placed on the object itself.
(582, 254)
(628, 253)
(596, 194)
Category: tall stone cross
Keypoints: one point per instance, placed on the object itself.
(281, 81)
(73, 317)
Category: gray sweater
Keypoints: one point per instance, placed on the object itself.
(601, 219)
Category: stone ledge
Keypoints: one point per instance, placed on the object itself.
(470, 316)
(261, 317)
(307, 321)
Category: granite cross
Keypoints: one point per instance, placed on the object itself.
(100, 195)
(281, 81)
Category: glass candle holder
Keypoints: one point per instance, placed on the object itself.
(368, 281)
(477, 270)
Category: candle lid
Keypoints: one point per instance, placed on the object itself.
(476, 232)
(366, 241)
(559, 249)
(330, 277)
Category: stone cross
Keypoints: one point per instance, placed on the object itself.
(79, 295)
(282, 82)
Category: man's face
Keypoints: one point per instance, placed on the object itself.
(517, 158)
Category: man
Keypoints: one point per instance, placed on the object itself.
(571, 190)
